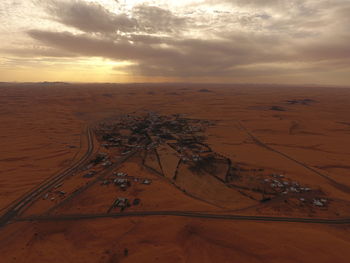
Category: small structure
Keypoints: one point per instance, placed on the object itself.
(119, 181)
(120, 174)
(196, 158)
(294, 189)
(146, 181)
(317, 202)
(46, 196)
(107, 164)
(123, 183)
(121, 202)
(89, 175)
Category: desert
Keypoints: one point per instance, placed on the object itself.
(136, 173)
(185, 131)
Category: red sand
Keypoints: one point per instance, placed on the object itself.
(40, 124)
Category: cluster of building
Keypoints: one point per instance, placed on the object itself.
(123, 180)
(282, 185)
(148, 131)
(279, 183)
(286, 186)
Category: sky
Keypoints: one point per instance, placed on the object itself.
(207, 41)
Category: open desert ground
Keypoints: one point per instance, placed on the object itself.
(276, 187)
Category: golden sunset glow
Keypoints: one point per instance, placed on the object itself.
(253, 41)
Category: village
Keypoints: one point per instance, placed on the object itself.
(154, 138)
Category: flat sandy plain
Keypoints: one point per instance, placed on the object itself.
(300, 132)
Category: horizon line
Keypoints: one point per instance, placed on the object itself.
(177, 83)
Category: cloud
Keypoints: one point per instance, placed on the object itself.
(261, 38)
(85, 45)
(38, 52)
(94, 18)
(153, 19)
(258, 3)
(89, 17)
(169, 56)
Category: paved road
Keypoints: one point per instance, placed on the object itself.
(28, 198)
(342, 221)
(13, 211)
(91, 183)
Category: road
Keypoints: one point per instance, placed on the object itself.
(28, 198)
(91, 183)
(12, 213)
(334, 183)
(190, 214)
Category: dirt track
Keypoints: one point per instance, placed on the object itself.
(170, 225)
